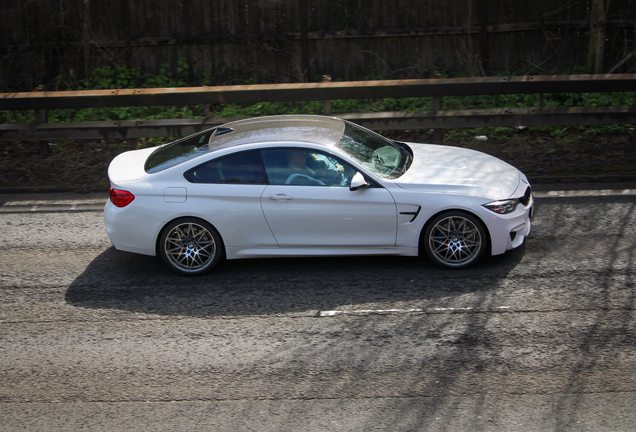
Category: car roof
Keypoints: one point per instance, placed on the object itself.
(321, 130)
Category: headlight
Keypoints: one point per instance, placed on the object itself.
(503, 207)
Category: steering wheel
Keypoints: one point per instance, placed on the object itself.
(295, 176)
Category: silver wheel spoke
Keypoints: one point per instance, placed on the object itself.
(455, 240)
(190, 247)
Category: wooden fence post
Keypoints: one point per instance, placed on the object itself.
(304, 44)
(437, 133)
(326, 104)
(483, 44)
(596, 51)
(41, 117)
(125, 11)
(634, 126)
(86, 35)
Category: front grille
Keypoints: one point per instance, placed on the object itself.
(525, 199)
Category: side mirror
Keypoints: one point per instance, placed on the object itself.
(358, 182)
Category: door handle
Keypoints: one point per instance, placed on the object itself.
(280, 197)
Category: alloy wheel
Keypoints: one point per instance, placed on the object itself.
(455, 241)
(190, 247)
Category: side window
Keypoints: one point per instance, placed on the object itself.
(242, 168)
(306, 168)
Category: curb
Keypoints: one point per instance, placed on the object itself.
(46, 190)
(52, 208)
(597, 178)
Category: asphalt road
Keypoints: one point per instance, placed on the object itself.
(540, 339)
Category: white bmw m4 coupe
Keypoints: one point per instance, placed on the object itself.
(301, 185)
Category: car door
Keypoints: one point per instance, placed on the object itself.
(313, 208)
(227, 192)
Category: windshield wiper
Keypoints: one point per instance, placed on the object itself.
(408, 160)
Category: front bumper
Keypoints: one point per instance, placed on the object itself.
(509, 231)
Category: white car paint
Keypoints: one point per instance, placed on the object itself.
(294, 220)
(461, 171)
(129, 166)
(307, 216)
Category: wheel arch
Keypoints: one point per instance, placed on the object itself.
(420, 244)
(165, 225)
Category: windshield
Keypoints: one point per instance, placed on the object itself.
(179, 151)
(384, 157)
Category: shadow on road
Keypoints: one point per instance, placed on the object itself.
(413, 355)
(125, 281)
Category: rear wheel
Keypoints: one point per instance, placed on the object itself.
(190, 246)
(455, 240)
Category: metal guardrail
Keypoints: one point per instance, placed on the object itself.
(435, 119)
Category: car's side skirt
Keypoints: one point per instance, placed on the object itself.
(239, 253)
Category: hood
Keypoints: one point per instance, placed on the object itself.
(129, 165)
(437, 168)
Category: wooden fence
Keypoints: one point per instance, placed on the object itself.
(233, 41)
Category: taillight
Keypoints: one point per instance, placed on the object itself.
(120, 198)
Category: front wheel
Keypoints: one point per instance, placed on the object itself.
(190, 246)
(455, 240)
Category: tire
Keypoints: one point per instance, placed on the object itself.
(455, 240)
(190, 246)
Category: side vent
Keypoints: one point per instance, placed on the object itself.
(414, 213)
